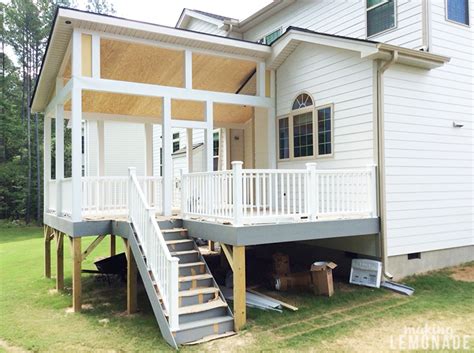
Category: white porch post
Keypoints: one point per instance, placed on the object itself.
(189, 149)
(149, 149)
(222, 149)
(260, 79)
(76, 134)
(76, 143)
(59, 159)
(272, 134)
(167, 149)
(47, 162)
(188, 69)
(237, 191)
(100, 148)
(208, 138)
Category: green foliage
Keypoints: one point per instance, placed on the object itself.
(100, 6)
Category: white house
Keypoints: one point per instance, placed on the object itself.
(353, 121)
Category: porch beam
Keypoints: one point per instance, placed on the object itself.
(167, 148)
(61, 96)
(149, 90)
(188, 124)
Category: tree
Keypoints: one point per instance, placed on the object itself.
(100, 6)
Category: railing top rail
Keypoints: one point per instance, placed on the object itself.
(115, 177)
(274, 171)
(223, 172)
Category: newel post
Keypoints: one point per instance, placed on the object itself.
(313, 191)
(372, 169)
(237, 191)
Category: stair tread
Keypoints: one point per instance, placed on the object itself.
(179, 241)
(173, 230)
(196, 291)
(190, 264)
(184, 252)
(204, 322)
(191, 309)
(195, 277)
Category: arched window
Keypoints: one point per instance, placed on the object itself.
(302, 101)
(306, 131)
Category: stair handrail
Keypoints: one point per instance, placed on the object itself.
(163, 266)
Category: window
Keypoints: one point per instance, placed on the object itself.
(324, 130)
(303, 135)
(175, 142)
(271, 37)
(215, 151)
(380, 16)
(305, 128)
(458, 11)
(284, 138)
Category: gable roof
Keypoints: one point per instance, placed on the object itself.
(219, 17)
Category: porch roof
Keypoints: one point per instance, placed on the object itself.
(66, 19)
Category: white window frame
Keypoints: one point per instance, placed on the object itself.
(468, 25)
(395, 20)
(218, 132)
(314, 110)
(262, 39)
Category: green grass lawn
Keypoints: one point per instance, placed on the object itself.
(34, 317)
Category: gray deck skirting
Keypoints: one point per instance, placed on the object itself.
(228, 234)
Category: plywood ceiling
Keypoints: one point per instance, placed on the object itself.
(139, 106)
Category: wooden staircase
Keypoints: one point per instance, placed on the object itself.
(203, 311)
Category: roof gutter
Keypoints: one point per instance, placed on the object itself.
(383, 66)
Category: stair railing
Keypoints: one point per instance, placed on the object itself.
(163, 266)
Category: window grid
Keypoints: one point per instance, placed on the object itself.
(303, 135)
(324, 131)
(284, 138)
(176, 142)
(380, 16)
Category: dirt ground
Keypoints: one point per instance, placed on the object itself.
(465, 274)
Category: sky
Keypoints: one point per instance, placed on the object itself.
(166, 12)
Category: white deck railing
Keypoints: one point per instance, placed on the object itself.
(245, 196)
(106, 195)
(163, 266)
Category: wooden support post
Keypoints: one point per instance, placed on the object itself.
(59, 260)
(47, 252)
(113, 247)
(131, 281)
(76, 274)
(92, 246)
(240, 311)
(211, 245)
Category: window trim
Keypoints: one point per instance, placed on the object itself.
(176, 139)
(395, 20)
(468, 25)
(262, 40)
(314, 110)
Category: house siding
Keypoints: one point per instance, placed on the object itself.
(341, 78)
(205, 27)
(346, 18)
(429, 163)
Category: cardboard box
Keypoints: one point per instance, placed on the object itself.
(293, 280)
(281, 264)
(321, 274)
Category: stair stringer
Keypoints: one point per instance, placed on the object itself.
(150, 290)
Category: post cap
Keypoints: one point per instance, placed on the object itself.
(237, 163)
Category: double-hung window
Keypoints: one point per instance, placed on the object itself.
(215, 150)
(380, 16)
(458, 11)
(176, 142)
(304, 128)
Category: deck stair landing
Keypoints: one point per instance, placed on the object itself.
(203, 311)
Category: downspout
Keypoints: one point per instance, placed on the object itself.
(381, 161)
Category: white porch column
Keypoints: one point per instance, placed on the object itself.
(189, 149)
(100, 148)
(149, 149)
(188, 69)
(208, 137)
(76, 143)
(222, 149)
(272, 129)
(47, 162)
(76, 122)
(59, 157)
(167, 149)
(260, 79)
